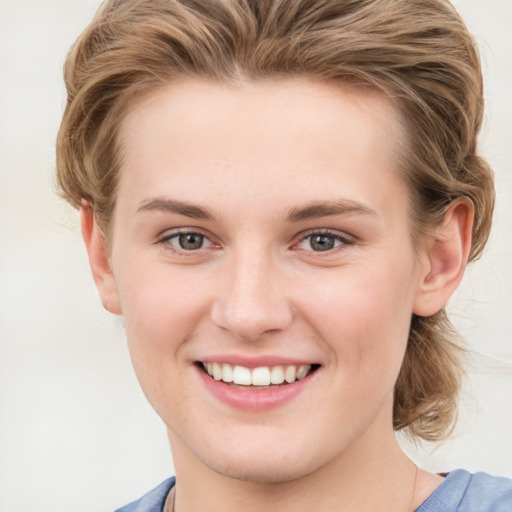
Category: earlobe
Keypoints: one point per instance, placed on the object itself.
(446, 259)
(98, 260)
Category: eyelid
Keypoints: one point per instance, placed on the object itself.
(345, 238)
(165, 237)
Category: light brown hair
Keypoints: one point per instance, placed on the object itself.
(418, 53)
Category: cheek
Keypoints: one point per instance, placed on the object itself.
(364, 313)
(161, 305)
(161, 311)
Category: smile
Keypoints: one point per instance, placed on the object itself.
(256, 387)
(261, 376)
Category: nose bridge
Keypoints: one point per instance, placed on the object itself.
(251, 300)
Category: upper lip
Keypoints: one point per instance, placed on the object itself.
(255, 362)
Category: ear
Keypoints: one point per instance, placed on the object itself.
(446, 258)
(98, 260)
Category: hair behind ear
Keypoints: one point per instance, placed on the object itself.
(428, 385)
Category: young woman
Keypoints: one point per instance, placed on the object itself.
(279, 197)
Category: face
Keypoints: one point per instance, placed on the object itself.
(263, 264)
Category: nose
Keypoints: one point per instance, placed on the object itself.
(251, 300)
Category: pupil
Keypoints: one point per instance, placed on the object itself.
(322, 242)
(191, 241)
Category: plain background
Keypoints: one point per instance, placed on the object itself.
(76, 433)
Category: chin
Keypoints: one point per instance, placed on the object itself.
(261, 472)
(260, 465)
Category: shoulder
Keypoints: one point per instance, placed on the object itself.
(462, 491)
(153, 501)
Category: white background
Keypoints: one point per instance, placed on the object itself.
(75, 430)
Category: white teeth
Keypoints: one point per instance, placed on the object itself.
(261, 376)
(277, 375)
(242, 376)
(217, 371)
(290, 374)
(302, 371)
(227, 373)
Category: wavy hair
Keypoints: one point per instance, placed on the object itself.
(418, 53)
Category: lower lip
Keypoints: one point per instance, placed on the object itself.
(257, 399)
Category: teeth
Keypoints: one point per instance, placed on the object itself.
(217, 371)
(289, 374)
(242, 376)
(227, 373)
(302, 371)
(277, 375)
(261, 376)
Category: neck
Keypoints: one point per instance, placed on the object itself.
(372, 475)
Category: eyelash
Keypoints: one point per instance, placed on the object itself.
(342, 239)
(166, 241)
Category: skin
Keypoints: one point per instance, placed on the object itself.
(250, 156)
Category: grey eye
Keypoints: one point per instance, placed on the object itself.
(190, 241)
(182, 242)
(322, 242)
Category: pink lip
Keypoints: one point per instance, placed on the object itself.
(255, 400)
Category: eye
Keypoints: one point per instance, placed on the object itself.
(323, 241)
(187, 241)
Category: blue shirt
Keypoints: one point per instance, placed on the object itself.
(460, 491)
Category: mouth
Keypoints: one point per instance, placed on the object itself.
(260, 378)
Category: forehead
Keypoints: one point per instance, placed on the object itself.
(256, 107)
(302, 136)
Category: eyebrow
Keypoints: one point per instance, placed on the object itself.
(314, 210)
(175, 206)
(318, 209)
